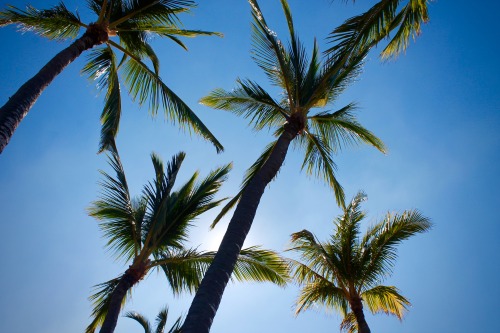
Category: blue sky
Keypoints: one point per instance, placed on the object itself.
(437, 108)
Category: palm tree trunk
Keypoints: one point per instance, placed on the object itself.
(357, 309)
(18, 105)
(127, 281)
(208, 297)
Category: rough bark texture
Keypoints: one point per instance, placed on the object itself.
(19, 104)
(208, 297)
(131, 276)
(357, 309)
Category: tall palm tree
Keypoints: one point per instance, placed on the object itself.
(307, 84)
(404, 18)
(126, 26)
(161, 321)
(346, 271)
(149, 232)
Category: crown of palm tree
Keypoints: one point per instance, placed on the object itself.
(307, 85)
(348, 268)
(150, 232)
(126, 26)
(376, 24)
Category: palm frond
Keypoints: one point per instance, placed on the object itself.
(115, 211)
(54, 23)
(161, 320)
(249, 175)
(349, 323)
(409, 20)
(154, 12)
(250, 100)
(256, 264)
(318, 161)
(341, 129)
(269, 53)
(388, 234)
(321, 293)
(144, 85)
(183, 268)
(176, 327)
(386, 299)
(103, 68)
(100, 300)
(364, 31)
(140, 319)
(318, 261)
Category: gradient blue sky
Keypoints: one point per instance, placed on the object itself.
(437, 108)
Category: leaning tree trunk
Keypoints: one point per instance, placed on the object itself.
(357, 309)
(127, 281)
(208, 297)
(19, 104)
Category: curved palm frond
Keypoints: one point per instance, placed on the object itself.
(250, 100)
(140, 319)
(340, 129)
(256, 264)
(364, 31)
(269, 53)
(318, 161)
(386, 299)
(161, 320)
(55, 23)
(100, 301)
(322, 293)
(102, 67)
(349, 324)
(144, 85)
(184, 269)
(152, 12)
(115, 211)
(319, 262)
(385, 237)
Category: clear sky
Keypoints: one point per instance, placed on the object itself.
(437, 108)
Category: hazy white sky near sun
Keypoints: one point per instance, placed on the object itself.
(437, 108)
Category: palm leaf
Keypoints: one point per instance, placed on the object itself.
(140, 319)
(249, 100)
(386, 299)
(349, 323)
(321, 293)
(115, 211)
(341, 129)
(54, 23)
(144, 85)
(100, 300)
(388, 234)
(154, 12)
(364, 31)
(269, 53)
(318, 161)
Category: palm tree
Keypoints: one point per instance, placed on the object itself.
(377, 23)
(161, 321)
(306, 85)
(346, 271)
(149, 232)
(125, 26)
